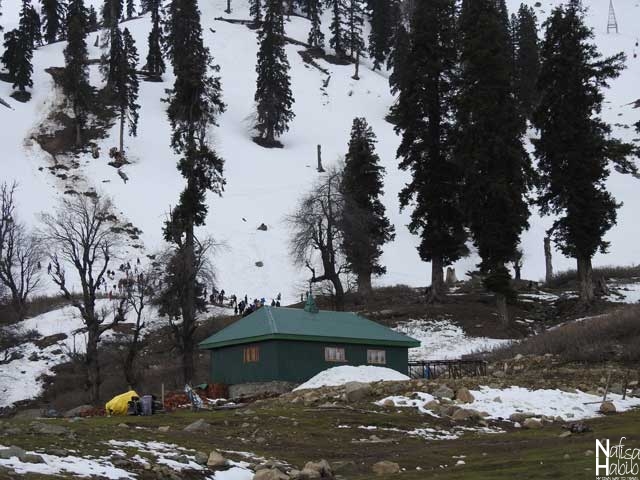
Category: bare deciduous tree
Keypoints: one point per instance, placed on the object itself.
(176, 281)
(85, 235)
(20, 254)
(315, 229)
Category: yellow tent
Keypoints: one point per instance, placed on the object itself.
(118, 404)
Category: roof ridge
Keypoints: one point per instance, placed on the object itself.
(272, 321)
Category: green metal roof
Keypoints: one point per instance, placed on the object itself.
(276, 323)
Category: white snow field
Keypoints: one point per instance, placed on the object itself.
(263, 185)
(443, 340)
(336, 376)
(502, 402)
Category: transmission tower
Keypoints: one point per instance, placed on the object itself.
(612, 23)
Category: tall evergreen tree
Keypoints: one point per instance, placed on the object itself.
(255, 10)
(54, 15)
(365, 227)
(30, 24)
(125, 85)
(399, 69)
(316, 37)
(527, 61)
(131, 8)
(75, 80)
(273, 96)
(112, 39)
(425, 119)
(355, 23)
(92, 19)
(111, 12)
(338, 41)
(9, 56)
(155, 66)
(194, 104)
(17, 58)
(575, 146)
(384, 19)
(489, 144)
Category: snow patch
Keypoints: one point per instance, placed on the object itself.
(344, 374)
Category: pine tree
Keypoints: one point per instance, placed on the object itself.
(489, 144)
(527, 62)
(355, 22)
(255, 10)
(111, 12)
(400, 76)
(425, 119)
(146, 6)
(314, 12)
(575, 146)
(338, 41)
(75, 80)
(364, 225)
(53, 13)
(112, 39)
(10, 55)
(384, 19)
(92, 20)
(131, 8)
(24, 67)
(30, 24)
(273, 90)
(125, 85)
(194, 104)
(155, 66)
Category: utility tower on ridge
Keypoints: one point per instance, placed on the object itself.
(612, 23)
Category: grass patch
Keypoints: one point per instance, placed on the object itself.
(567, 278)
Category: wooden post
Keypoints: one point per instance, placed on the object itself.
(547, 260)
(320, 169)
(162, 395)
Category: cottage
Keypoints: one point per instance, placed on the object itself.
(293, 345)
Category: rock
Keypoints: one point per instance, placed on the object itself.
(79, 411)
(386, 467)
(388, 403)
(45, 342)
(216, 460)
(263, 227)
(565, 434)
(31, 458)
(12, 451)
(322, 467)
(58, 452)
(466, 414)
(607, 407)
(197, 426)
(356, 391)
(270, 474)
(164, 428)
(616, 388)
(123, 425)
(579, 427)
(49, 429)
(463, 395)
(497, 400)
(520, 417)
(433, 405)
(635, 392)
(443, 392)
(201, 458)
(307, 474)
(532, 423)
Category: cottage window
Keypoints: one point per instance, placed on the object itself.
(378, 357)
(251, 354)
(334, 354)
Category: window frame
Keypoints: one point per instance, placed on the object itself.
(251, 354)
(335, 358)
(372, 359)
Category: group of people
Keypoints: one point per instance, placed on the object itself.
(243, 306)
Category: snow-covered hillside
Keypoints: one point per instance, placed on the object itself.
(263, 185)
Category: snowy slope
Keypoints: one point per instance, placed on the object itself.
(263, 185)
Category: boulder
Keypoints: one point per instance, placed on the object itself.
(388, 403)
(532, 423)
(306, 474)
(270, 474)
(201, 458)
(607, 407)
(466, 414)
(197, 426)
(79, 411)
(443, 392)
(322, 468)
(635, 392)
(433, 405)
(356, 391)
(45, 342)
(520, 417)
(216, 460)
(31, 458)
(164, 428)
(463, 395)
(49, 429)
(385, 467)
(12, 451)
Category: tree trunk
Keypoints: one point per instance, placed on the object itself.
(228, 10)
(92, 365)
(364, 284)
(517, 270)
(585, 279)
(436, 292)
(122, 134)
(503, 311)
(356, 76)
(189, 300)
(337, 285)
(548, 275)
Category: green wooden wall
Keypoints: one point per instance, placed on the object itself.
(292, 361)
